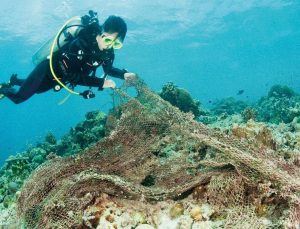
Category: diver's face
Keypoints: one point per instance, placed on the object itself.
(106, 40)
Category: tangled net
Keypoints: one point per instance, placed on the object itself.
(155, 151)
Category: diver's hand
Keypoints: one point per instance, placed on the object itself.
(88, 94)
(128, 76)
(109, 84)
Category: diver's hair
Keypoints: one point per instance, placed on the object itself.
(115, 24)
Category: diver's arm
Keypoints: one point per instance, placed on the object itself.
(91, 81)
(112, 71)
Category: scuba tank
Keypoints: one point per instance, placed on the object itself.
(71, 30)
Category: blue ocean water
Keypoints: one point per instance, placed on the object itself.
(211, 48)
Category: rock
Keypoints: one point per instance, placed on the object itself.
(144, 226)
(12, 187)
(176, 210)
(196, 213)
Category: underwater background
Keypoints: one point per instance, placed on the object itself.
(213, 49)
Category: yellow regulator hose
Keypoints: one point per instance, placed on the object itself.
(51, 57)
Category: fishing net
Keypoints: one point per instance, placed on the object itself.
(155, 151)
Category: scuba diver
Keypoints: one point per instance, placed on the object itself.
(75, 60)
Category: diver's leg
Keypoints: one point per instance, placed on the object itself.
(15, 81)
(12, 82)
(29, 87)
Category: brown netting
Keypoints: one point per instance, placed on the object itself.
(155, 151)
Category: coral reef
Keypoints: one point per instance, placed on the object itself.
(111, 212)
(155, 154)
(17, 168)
(258, 133)
(83, 135)
(228, 106)
(281, 91)
(285, 138)
(249, 113)
(182, 99)
(225, 123)
(229, 191)
(281, 105)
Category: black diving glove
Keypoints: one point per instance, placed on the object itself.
(88, 94)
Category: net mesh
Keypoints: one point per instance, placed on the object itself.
(155, 151)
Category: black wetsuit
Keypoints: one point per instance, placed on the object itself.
(74, 64)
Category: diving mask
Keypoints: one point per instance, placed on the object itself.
(115, 43)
